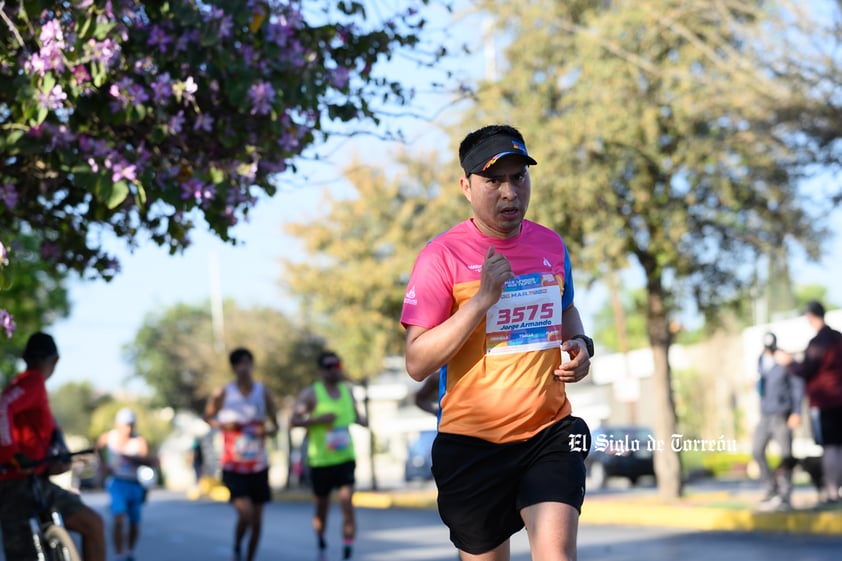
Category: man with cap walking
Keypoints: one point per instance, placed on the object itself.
(821, 369)
(122, 451)
(780, 413)
(489, 306)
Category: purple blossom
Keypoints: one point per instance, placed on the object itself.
(203, 122)
(158, 38)
(198, 190)
(36, 131)
(292, 18)
(278, 34)
(137, 94)
(98, 148)
(103, 52)
(162, 88)
(126, 92)
(261, 95)
(212, 15)
(296, 53)
(7, 322)
(288, 142)
(53, 57)
(49, 57)
(273, 167)
(120, 100)
(35, 65)
(52, 100)
(52, 33)
(185, 39)
(226, 26)
(121, 169)
(339, 77)
(9, 196)
(80, 74)
(247, 54)
(62, 135)
(50, 251)
(94, 165)
(176, 123)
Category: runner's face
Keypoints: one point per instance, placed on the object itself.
(243, 368)
(499, 197)
(331, 370)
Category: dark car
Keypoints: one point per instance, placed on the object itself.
(419, 460)
(619, 451)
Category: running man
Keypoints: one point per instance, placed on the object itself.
(122, 451)
(242, 409)
(491, 301)
(327, 409)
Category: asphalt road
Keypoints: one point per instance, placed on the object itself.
(176, 529)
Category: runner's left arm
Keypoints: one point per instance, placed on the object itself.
(271, 413)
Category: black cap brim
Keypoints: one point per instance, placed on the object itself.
(488, 151)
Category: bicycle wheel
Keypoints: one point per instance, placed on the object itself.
(59, 545)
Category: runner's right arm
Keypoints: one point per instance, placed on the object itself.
(427, 350)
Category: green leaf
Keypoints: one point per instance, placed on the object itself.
(98, 74)
(86, 26)
(103, 27)
(140, 195)
(5, 281)
(112, 194)
(42, 114)
(216, 176)
(158, 134)
(12, 139)
(119, 192)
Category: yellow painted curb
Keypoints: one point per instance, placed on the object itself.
(220, 494)
(366, 499)
(707, 518)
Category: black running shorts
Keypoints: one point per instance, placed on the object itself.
(483, 486)
(327, 478)
(254, 486)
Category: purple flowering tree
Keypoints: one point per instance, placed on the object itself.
(141, 119)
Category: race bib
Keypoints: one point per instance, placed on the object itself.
(247, 447)
(527, 317)
(338, 439)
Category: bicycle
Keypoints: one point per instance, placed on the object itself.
(50, 538)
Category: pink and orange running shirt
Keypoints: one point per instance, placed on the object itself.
(499, 387)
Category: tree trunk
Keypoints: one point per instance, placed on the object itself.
(667, 460)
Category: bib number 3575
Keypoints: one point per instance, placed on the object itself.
(529, 312)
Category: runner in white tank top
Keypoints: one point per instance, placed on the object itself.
(245, 413)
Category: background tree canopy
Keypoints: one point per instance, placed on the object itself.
(182, 356)
(32, 291)
(122, 117)
(366, 244)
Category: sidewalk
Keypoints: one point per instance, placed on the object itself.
(720, 506)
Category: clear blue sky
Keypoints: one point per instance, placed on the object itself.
(106, 316)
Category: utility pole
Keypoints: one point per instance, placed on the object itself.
(217, 316)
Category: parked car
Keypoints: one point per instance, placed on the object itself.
(619, 451)
(419, 460)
